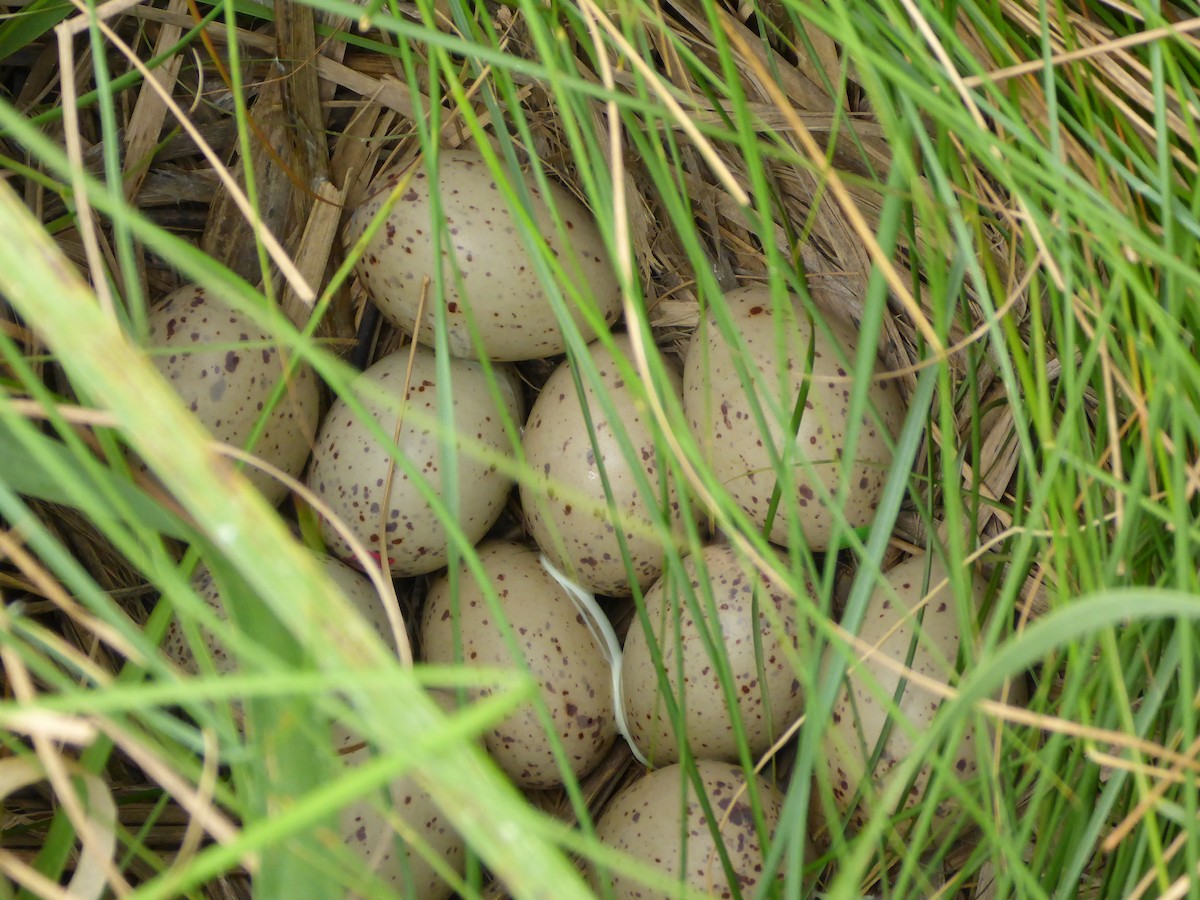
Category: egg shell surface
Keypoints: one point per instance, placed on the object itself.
(647, 819)
(722, 419)
(500, 288)
(350, 468)
(861, 712)
(554, 638)
(580, 537)
(225, 368)
(767, 705)
(367, 830)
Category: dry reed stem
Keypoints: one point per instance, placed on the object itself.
(57, 727)
(229, 236)
(314, 249)
(149, 111)
(1178, 888)
(1147, 802)
(296, 52)
(193, 834)
(71, 650)
(74, 415)
(193, 800)
(702, 144)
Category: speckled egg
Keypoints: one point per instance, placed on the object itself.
(758, 655)
(861, 713)
(226, 368)
(647, 821)
(566, 509)
(499, 287)
(175, 645)
(721, 416)
(555, 641)
(356, 587)
(349, 471)
(367, 830)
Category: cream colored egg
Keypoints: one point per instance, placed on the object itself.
(226, 368)
(350, 467)
(553, 637)
(367, 829)
(723, 422)
(648, 821)
(355, 586)
(500, 289)
(758, 649)
(566, 509)
(861, 713)
(175, 644)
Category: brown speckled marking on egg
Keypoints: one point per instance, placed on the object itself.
(350, 468)
(510, 308)
(766, 707)
(556, 642)
(559, 452)
(645, 821)
(858, 724)
(723, 422)
(366, 829)
(196, 337)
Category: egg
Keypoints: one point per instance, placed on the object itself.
(225, 368)
(569, 666)
(350, 468)
(861, 713)
(499, 289)
(580, 537)
(659, 821)
(366, 828)
(721, 417)
(769, 697)
(355, 587)
(175, 643)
